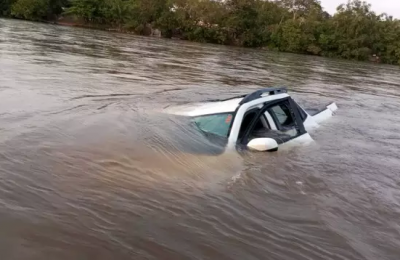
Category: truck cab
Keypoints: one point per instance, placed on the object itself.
(263, 120)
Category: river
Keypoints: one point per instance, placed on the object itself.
(90, 170)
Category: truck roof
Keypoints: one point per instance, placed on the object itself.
(205, 108)
(222, 106)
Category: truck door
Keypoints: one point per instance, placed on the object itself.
(284, 122)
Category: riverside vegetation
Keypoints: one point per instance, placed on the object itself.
(355, 31)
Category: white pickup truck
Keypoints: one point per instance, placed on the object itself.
(263, 120)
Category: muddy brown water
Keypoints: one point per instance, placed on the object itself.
(90, 170)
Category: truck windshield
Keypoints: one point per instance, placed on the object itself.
(217, 124)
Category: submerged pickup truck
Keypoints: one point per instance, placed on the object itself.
(262, 121)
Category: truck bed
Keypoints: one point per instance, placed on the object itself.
(316, 111)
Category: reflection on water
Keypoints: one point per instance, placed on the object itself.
(90, 170)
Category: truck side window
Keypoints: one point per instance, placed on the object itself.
(285, 120)
(283, 114)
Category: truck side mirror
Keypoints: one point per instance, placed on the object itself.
(263, 144)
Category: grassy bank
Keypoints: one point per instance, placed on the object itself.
(300, 26)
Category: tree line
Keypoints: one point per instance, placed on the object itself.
(355, 31)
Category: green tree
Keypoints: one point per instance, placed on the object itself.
(387, 47)
(34, 10)
(301, 8)
(91, 11)
(5, 7)
(355, 30)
